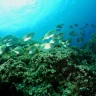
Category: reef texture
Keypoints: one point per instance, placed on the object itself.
(91, 44)
(58, 72)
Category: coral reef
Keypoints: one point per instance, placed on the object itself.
(58, 72)
(49, 68)
(91, 44)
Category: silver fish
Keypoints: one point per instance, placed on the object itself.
(28, 37)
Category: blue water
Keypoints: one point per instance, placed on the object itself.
(39, 16)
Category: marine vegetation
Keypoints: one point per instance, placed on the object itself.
(91, 44)
(48, 68)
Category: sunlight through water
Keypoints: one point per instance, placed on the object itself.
(21, 14)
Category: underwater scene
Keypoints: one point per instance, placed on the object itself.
(48, 47)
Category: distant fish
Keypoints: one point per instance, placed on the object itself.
(93, 25)
(82, 33)
(71, 26)
(72, 33)
(78, 40)
(76, 24)
(86, 24)
(59, 25)
(28, 37)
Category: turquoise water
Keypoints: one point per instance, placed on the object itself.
(39, 16)
(63, 62)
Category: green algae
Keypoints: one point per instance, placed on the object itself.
(59, 72)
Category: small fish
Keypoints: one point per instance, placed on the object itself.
(46, 46)
(64, 43)
(33, 46)
(92, 25)
(59, 25)
(32, 50)
(54, 41)
(71, 26)
(49, 35)
(86, 24)
(82, 33)
(72, 33)
(36, 44)
(59, 35)
(17, 50)
(28, 36)
(76, 24)
(78, 40)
